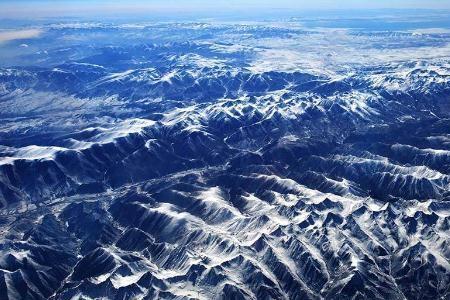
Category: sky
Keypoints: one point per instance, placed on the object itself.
(51, 8)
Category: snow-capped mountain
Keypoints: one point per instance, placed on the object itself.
(225, 161)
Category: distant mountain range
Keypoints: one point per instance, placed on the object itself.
(225, 161)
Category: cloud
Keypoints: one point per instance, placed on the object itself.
(10, 35)
(431, 31)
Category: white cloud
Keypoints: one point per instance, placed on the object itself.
(431, 31)
(10, 35)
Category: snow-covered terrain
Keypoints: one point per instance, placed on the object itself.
(258, 160)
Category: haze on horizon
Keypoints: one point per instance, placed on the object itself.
(53, 8)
